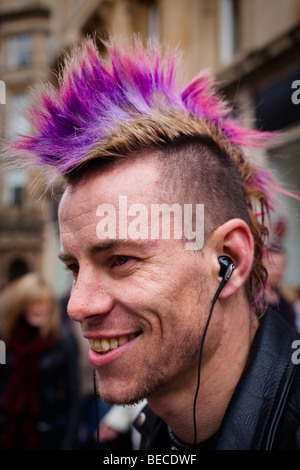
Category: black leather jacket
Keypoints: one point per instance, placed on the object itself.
(264, 412)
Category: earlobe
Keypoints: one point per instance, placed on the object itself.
(234, 239)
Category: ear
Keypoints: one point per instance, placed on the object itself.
(235, 240)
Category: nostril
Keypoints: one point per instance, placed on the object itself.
(81, 307)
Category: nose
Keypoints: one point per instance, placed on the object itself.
(88, 299)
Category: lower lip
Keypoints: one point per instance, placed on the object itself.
(99, 360)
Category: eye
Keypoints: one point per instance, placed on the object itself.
(120, 260)
(74, 268)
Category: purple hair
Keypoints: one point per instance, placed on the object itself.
(92, 98)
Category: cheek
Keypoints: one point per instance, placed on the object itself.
(174, 303)
(184, 318)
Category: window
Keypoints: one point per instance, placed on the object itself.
(16, 122)
(19, 51)
(17, 269)
(15, 182)
(228, 30)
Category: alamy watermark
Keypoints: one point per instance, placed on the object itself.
(2, 92)
(163, 221)
(296, 94)
(296, 354)
(2, 352)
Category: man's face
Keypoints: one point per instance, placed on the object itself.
(142, 300)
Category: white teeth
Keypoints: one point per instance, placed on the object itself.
(106, 344)
(113, 343)
(123, 340)
(96, 345)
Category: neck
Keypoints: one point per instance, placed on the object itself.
(220, 373)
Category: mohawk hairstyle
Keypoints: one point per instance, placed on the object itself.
(110, 110)
(94, 101)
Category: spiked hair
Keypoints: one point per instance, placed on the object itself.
(103, 110)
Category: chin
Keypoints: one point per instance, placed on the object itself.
(118, 394)
(120, 400)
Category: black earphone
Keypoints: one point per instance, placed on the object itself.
(226, 269)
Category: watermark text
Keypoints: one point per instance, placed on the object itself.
(296, 353)
(160, 221)
(2, 92)
(2, 352)
(296, 94)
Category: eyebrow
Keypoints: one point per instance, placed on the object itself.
(107, 245)
(65, 256)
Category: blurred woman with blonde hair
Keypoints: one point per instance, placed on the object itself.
(30, 297)
(38, 384)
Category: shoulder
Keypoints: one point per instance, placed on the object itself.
(286, 342)
(288, 433)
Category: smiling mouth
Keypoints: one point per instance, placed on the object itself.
(104, 345)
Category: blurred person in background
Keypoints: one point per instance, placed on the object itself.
(275, 262)
(117, 423)
(38, 384)
(296, 307)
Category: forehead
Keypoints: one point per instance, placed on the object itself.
(137, 179)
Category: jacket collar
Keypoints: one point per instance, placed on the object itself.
(251, 419)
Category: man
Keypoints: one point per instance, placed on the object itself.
(159, 229)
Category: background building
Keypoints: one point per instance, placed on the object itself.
(251, 45)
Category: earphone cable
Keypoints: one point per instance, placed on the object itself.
(96, 406)
(199, 365)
